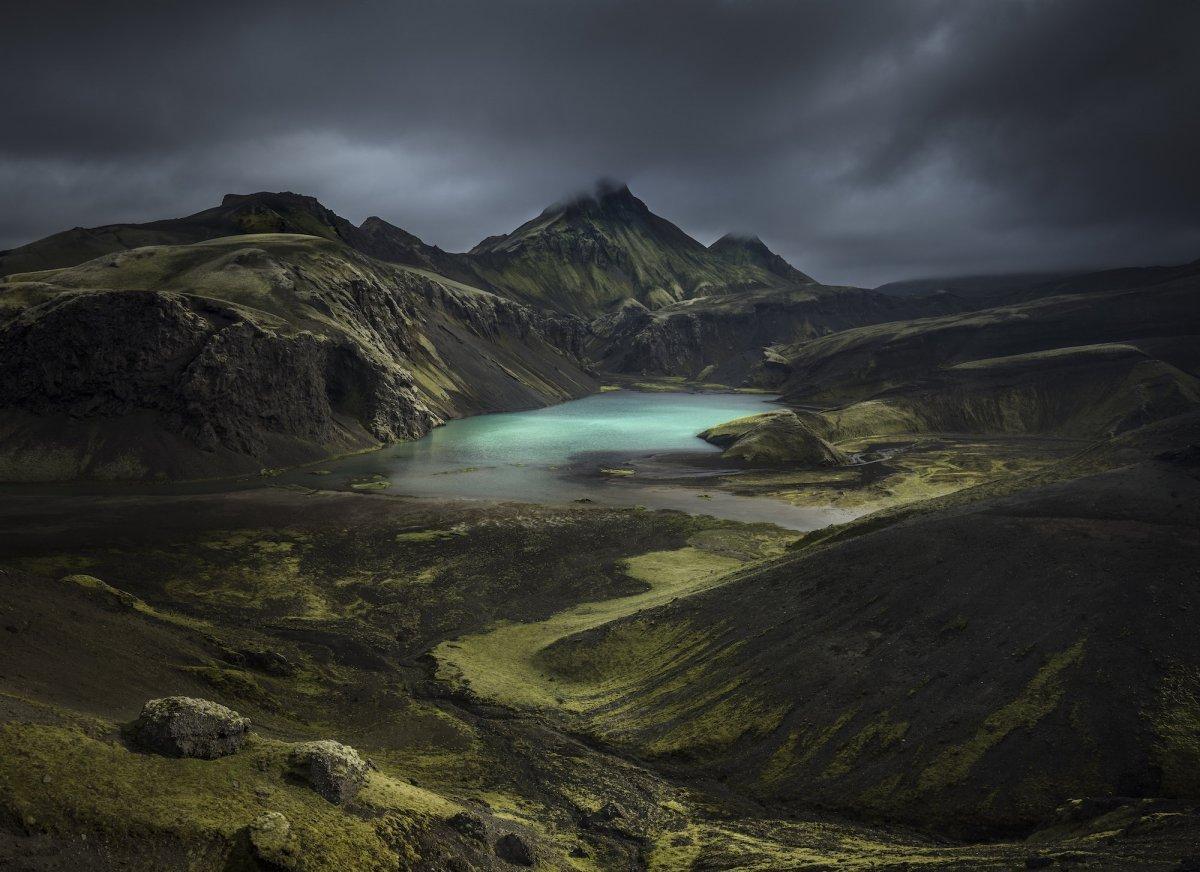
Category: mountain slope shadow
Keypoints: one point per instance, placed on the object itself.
(967, 669)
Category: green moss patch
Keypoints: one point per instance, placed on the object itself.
(1039, 697)
(59, 781)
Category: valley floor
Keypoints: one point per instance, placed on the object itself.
(417, 633)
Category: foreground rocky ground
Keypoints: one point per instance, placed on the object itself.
(539, 686)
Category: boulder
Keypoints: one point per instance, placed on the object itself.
(471, 826)
(265, 660)
(611, 818)
(180, 726)
(334, 770)
(270, 839)
(512, 848)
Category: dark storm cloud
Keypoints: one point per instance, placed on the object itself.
(864, 140)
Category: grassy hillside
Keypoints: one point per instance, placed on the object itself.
(254, 351)
(776, 437)
(1163, 319)
(970, 668)
(1090, 391)
(721, 338)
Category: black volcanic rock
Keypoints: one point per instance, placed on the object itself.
(180, 726)
(969, 666)
(722, 338)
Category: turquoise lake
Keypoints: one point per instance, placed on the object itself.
(555, 455)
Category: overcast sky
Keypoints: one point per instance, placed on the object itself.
(864, 141)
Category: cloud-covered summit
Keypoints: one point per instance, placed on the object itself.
(867, 141)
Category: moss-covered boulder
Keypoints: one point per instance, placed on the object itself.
(334, 770)
(180, 726)
(776, 437)
(512, 848)
(271, 841)
(470, 825)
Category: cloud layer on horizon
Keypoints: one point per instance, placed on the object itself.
(863, 141)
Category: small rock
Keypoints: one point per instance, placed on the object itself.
(46, 779)
(469, 825)
(334, 770)
(1080, 810)
(511, 848)
(269, 837)
(609, 817)
(180, 726)
(270, 662)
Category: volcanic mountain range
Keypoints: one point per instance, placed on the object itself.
(394, 336)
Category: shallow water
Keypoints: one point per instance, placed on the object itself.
(554, 455)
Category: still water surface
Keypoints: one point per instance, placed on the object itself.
(554, 455)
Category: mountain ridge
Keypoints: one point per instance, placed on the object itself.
(581, 255)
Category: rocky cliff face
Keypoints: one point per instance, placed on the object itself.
(723, 338)
(264, 351)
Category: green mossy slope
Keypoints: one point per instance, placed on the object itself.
(969, 668)
(780, 437)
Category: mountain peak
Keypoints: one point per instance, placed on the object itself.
(275, 198)
(746, 248)
(607, 196)
(377, 226)
(740, 240)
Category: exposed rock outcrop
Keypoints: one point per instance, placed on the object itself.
(261, 355)
(334, 770)
(470, 825)
(778, 437)
(180, 726)
(271, 842)
(513, 848)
